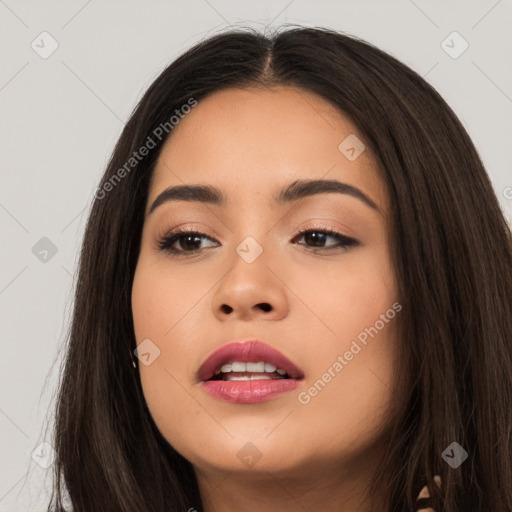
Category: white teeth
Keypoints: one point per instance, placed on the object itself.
(238, 367)
(248, 377)
(253, 367)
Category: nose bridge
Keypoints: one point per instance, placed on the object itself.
(250, 288)
(252, 233)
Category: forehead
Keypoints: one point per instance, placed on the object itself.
(250, 142)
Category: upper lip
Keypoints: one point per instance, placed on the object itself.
(244, 351)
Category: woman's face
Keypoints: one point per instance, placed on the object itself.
(327, 304)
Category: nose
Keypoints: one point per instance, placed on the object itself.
(250, 291)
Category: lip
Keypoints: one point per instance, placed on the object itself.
(247, 391)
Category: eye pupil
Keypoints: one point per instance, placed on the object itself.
(315, 238)
(188, 238)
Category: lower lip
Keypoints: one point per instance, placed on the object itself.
(249, 391)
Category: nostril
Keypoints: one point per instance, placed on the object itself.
(226, 309)
(265, 306)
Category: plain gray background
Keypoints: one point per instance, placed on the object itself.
(62, 114)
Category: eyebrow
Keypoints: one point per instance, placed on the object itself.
(294, 191)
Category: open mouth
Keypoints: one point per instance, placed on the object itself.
(248, 372)
(238, 370)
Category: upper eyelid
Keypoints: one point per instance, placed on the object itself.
(331, 230)
(318, 224)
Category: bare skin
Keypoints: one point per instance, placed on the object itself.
(317, 451)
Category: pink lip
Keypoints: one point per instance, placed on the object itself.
(246, 392)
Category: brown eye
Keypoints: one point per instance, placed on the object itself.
(183, 242)
(318, 238)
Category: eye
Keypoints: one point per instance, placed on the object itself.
(318, 237)
(189, 241)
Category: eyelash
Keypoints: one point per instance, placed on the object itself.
(165, 243)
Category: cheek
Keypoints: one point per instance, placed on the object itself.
(354, 364)
(165, 298)
(344, 297)
(350, 410)
(349, 390)
(167, 310)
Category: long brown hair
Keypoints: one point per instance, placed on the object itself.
(451, 249)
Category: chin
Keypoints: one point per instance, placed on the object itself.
(280, 453)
